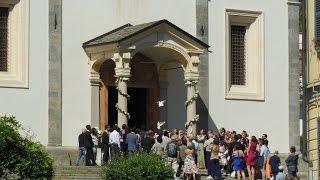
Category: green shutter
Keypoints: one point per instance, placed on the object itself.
(317, 18)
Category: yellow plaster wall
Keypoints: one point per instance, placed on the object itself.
(313, 76)
(313, 113)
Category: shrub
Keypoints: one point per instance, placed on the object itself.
(138, 166)
(21, 157)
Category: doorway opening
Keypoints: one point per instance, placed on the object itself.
(137, 107)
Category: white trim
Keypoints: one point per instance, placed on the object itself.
(254, 88)
(18, 52)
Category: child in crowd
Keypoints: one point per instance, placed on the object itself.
(190, 167)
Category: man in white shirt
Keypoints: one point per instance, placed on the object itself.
(165, 140)
(207, 146)
(114, 140)
(264, 152)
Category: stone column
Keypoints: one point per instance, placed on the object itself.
(122, 106)
(191, 80)
(95, 99)
(163, 85)
(191, 77)
(122, 73)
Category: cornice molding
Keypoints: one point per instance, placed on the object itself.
(294, 3)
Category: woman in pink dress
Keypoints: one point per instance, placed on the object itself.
(251, 159)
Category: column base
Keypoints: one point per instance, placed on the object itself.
(60, 155)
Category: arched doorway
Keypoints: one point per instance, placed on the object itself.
(143, 89)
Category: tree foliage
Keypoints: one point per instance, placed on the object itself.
(138, 166)
(20, 156)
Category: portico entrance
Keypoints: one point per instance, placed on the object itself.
(137, 57)
(142, 89)
(137, 107)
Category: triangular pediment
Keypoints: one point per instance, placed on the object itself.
(133, 35)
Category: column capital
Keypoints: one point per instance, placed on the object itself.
(122, 72)
(191, 76)
(94, 79)
(122, 60)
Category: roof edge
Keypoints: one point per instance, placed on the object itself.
(172, 25)
(85, 44)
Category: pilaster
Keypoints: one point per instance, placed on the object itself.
(55, 74)
(95, 83)
(202, 31)
(294, 70)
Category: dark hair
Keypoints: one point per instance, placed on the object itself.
(184, 141)
(159, 139)
(115, 128)
(265, 135)
(292, 149)
(124, 126)
(88, 127)
(254, 139)
(94, 131)
(166, 133)
(137, 131)
(237, 137)
(223, 130)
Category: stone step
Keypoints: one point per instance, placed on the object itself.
(76, 177)
(79, 169)
(78, 172)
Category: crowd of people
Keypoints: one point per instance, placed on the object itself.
(223, 153)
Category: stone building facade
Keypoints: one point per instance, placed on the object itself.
(184, 52)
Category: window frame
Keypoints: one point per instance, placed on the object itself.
(254, 86)
(18, 38)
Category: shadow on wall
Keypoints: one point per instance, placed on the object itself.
(206, 121)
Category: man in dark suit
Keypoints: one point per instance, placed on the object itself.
(105, 142)
(88, 144)
(148, 142)
(275, 163)
(132, 141)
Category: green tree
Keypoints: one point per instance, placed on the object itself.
(20, 156)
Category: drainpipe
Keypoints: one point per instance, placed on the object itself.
(305, 146)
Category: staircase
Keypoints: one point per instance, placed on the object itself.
(94, 173)
(78, 172)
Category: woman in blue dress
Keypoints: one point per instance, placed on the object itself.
(238, 162)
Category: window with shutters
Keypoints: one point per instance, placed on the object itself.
(244, 55)
(14, 27)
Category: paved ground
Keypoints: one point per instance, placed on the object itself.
(203, 173)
